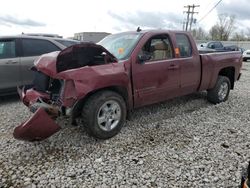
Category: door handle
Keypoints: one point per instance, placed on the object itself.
(173, 67)
(10, 62)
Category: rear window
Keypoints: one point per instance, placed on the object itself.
(35, 47)
(184, 45)
(67, 43)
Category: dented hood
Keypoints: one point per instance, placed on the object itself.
(76, 56)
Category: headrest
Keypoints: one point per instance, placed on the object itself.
(160, 46)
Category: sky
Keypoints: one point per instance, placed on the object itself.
(68, 17)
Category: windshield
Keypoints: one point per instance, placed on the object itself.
(120, 45)
(67, 43)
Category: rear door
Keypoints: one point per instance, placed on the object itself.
(190, 66)
(158, 78)
(32, 49)
(10, 76)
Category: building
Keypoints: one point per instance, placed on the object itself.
(90, 36)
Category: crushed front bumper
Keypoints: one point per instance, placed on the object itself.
(41, 125)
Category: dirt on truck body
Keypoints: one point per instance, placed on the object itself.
(102, 83)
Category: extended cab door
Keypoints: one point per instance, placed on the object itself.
(189, 62)
(156, 76)
(10, 76)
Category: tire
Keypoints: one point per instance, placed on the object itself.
(221, 90)
(104, 114)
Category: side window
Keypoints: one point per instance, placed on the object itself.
(184, 45)
(211, 45)
(7, 49)
(158, 47)
(218, 45)
(35, 47)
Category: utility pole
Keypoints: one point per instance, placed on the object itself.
(190, 16)
(188, 13)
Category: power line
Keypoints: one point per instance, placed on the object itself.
(190, 16)
(210, 10)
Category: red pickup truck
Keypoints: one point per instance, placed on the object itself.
(102, 83)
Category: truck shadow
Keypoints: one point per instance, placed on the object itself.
(171, 108)
(142, 117)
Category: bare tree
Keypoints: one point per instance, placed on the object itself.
(214, 33)
(223, 28)
(239, 36)
(248, 34)
(199, 34)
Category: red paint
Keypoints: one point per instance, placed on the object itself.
(47, 63)
(30, 96)
(39, 127)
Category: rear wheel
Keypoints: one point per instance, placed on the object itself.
(221, 90)
(104, 114)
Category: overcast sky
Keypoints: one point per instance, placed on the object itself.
(68, 17)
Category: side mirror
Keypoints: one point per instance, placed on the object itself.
(212, 46)
(144, 57)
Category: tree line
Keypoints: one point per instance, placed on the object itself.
(223, 30)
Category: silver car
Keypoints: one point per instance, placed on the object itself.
(246, 55)
(17, 54)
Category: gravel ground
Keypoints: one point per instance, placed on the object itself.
(184, 142)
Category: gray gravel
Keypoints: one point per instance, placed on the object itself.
(184, 142)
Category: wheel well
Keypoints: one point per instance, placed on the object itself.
(76, 112)
(228, 72)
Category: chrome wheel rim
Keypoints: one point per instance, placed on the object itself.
(223, 91)
(109, 115)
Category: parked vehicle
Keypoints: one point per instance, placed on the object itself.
(246, 55)
(212, 45)
(217, 46)
(102, 83)
(233, 48)
(17, 54)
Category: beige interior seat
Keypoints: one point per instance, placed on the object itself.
(160, 51)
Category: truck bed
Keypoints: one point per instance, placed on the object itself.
(213, 63)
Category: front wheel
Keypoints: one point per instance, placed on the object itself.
(221, 90)
(104, 114)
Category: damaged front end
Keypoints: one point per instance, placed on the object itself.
(45, 104)
(57, 87)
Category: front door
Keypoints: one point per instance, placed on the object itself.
(157, 78)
